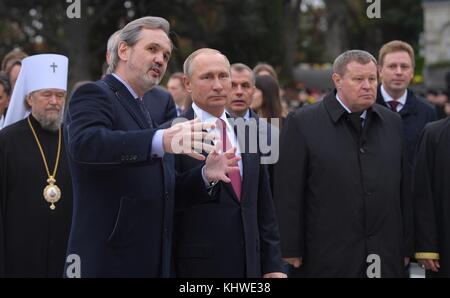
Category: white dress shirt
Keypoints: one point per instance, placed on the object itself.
(387, 98)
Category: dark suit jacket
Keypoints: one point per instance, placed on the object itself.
(222, 237)
(416, 113)
(123, 196)
(340, 198)
(160, 104)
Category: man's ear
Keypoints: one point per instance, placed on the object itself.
(187, 84)
(337, 80)
(379, 71)
(122, 51)
(29, 100)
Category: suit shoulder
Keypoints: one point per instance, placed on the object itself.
(387, 113)
(306, 112)
(91, 87)
(436, 128)
(423, 104)
(158, 91)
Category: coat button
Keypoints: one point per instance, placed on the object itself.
(362, 150)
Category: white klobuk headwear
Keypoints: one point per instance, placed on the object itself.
(44, 71)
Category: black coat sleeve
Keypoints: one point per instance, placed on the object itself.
(290, 186)
(2, 210)
(407, 206)
(426, 232)
(268, 226)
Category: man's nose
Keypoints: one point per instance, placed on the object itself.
(159, 59)
(366, 84)
(217, 85)
(239, 90)
(398, 70)
(53, 99)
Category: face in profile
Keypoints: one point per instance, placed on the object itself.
(146, 61)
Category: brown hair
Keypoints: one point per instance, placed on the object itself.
(261, 66)
(271, 102)
(396, 46)
(178, 76)
(241, 67)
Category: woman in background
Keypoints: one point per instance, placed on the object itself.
(267, 104)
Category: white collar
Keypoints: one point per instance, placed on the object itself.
(247, 115)
(342, 104)
(134, 94)
(363, 114)
(207, 117)
(387, 98)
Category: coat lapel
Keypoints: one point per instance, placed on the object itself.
(126, 100)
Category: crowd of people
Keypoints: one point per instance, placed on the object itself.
(125, 178)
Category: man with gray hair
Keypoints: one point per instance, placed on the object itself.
(341, 184)
(242, 88)
(157, 100)
(111, 46)
(122, 173)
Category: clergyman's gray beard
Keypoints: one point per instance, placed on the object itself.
(50, 123)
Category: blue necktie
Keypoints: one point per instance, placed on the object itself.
(144, 111)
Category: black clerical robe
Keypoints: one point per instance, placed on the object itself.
(33, 238)
(432, 195)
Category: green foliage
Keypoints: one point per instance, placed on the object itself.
(247, 31)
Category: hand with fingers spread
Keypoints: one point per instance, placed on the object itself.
(218, 165)
(190, 138)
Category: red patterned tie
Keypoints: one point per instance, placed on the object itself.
(234, 176)
(393, 104)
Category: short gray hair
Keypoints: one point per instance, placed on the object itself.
(360, 56)
(241, 67)
(111, 46)
(131, 33)
(187, 66)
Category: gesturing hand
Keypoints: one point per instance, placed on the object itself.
(190, 138)
(218, 165)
